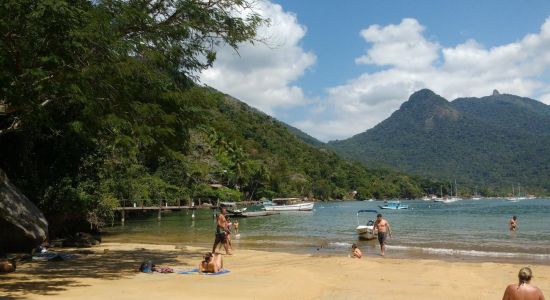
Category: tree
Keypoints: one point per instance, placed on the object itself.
(96, 95)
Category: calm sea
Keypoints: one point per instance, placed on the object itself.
(464, 230)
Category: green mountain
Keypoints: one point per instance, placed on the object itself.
(490, 142)
(295, 164)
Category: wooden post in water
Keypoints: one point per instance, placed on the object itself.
(123, 214)
(160, 210)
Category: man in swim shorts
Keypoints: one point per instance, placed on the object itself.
(383, 227)
(221, 230)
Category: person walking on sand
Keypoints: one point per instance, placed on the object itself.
(221, 231)
(523, 290)
(383, 227)
(513, 223)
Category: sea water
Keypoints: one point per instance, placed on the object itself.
(463, 230)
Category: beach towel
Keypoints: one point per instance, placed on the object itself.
(196, 271)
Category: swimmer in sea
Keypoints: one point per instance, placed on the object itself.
(513, 223)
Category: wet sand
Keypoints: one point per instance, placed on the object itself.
(112, 274)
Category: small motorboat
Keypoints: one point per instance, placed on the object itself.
(366, 231)
(394, 205)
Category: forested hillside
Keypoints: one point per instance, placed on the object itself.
(100, 105)
(492, 142)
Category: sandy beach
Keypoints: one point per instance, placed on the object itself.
(111, 274)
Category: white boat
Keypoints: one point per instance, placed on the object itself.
(476, 196)
(285, 204)
(516, 198)
(452, 198)
(366, 231)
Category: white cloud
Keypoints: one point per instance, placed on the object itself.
(263, 74)
(400, 45)
(411, 62)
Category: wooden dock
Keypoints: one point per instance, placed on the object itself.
(155, 208)
(250, 214)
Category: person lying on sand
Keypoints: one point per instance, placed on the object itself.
(523, 290)
(355, 252)
(212, 263)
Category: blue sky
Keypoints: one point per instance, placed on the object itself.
(337, 68)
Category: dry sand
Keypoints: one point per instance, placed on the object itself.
(258, 275)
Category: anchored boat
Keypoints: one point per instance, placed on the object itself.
(366, 231)
(288, 204)
(394, 205)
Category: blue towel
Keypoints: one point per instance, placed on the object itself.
(196, 271)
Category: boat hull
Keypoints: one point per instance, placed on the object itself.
(365, 232)
(394, 207)
(291, 207)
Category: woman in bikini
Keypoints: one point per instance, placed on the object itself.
(212, 263)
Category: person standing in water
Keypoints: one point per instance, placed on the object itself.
(236, 227)
(383, 227)
(523, 290)
(513, 223)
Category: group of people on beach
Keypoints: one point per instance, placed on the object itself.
(522, 290)
(212, 261)
(382, 226)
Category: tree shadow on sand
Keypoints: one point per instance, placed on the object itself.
(53, 277)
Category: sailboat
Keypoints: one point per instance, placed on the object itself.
(455, 197)
(516, 198)
(476, 195)
(440, 198)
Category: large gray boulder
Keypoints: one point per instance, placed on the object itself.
(22, 225)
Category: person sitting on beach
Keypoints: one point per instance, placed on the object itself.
(513, 223)
(383, 227)
(221, 231)
(355, 252)
(212, 263)
(523, 290)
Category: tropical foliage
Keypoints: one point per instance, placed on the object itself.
(99, 107)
